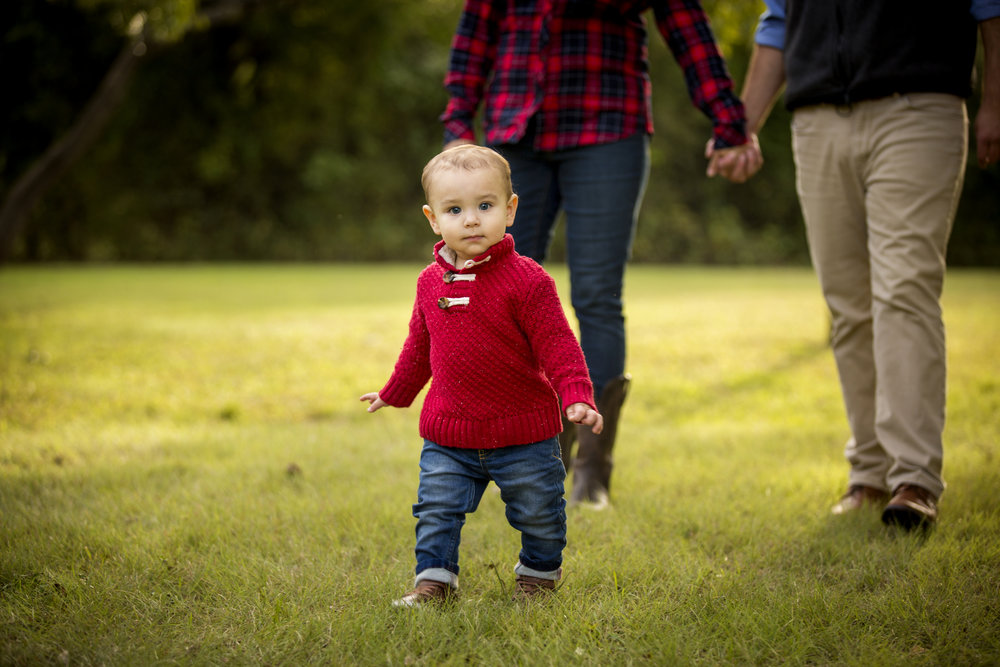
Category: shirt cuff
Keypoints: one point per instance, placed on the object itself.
(458, 128)
(771, 30)
(984, 10)
(577, 392)
(397, 394)
(729, 135)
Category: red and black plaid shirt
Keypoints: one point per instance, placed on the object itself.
(580, 69)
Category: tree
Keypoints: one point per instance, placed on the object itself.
(153, 24)
(296, 130)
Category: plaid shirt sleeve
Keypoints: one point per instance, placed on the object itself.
(473, 52)
(578, 70)
(686, 29)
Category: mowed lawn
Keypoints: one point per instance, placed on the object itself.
(187, 476)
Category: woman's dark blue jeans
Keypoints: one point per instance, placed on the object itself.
(600, 188)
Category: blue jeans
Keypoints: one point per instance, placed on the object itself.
(600, 188)
(452, 482)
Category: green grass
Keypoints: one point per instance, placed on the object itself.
(187, 476)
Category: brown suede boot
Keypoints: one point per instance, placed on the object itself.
(566, 441)
(592, 468)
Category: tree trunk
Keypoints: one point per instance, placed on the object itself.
(34, 182)
(53, 163)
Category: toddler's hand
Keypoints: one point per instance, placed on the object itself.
(581, 413)
(375, 401)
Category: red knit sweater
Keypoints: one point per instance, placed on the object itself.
(498, 347)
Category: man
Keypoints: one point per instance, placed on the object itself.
(879, 136)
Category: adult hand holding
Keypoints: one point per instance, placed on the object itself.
(737, 163)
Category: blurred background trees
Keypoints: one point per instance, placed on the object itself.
(297, 129)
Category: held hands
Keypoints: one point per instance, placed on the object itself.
(737, 163)
(581, 413)
(375, 401)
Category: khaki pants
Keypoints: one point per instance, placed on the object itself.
(879, 183)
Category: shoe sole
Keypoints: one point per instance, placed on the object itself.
(906, 518)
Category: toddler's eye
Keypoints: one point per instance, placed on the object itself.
(485, 206)
(454, 210)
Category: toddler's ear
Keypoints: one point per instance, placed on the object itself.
(511, 210)
(431, 218)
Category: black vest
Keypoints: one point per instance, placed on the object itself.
(846, 51)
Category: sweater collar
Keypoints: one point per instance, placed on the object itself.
(445, 256)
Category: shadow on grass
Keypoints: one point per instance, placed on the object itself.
(706, 397)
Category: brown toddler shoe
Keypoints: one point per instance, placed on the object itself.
(426, 592)
(527, 587)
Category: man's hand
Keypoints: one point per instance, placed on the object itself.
(581, 413)
(987, 137)
(987, 125)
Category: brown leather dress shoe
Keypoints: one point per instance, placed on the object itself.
(911, 507)
(858, 496)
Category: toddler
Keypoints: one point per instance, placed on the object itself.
(488, 327)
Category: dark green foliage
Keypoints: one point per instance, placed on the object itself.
(53, 57)
(299, 133)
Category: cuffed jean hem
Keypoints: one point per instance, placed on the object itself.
(552, 575)
(437, 574)
(437, 563)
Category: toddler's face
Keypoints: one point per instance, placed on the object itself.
(470, 210)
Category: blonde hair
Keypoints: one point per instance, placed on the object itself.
(468, 157)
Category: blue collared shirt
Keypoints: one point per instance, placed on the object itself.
(771, 27)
